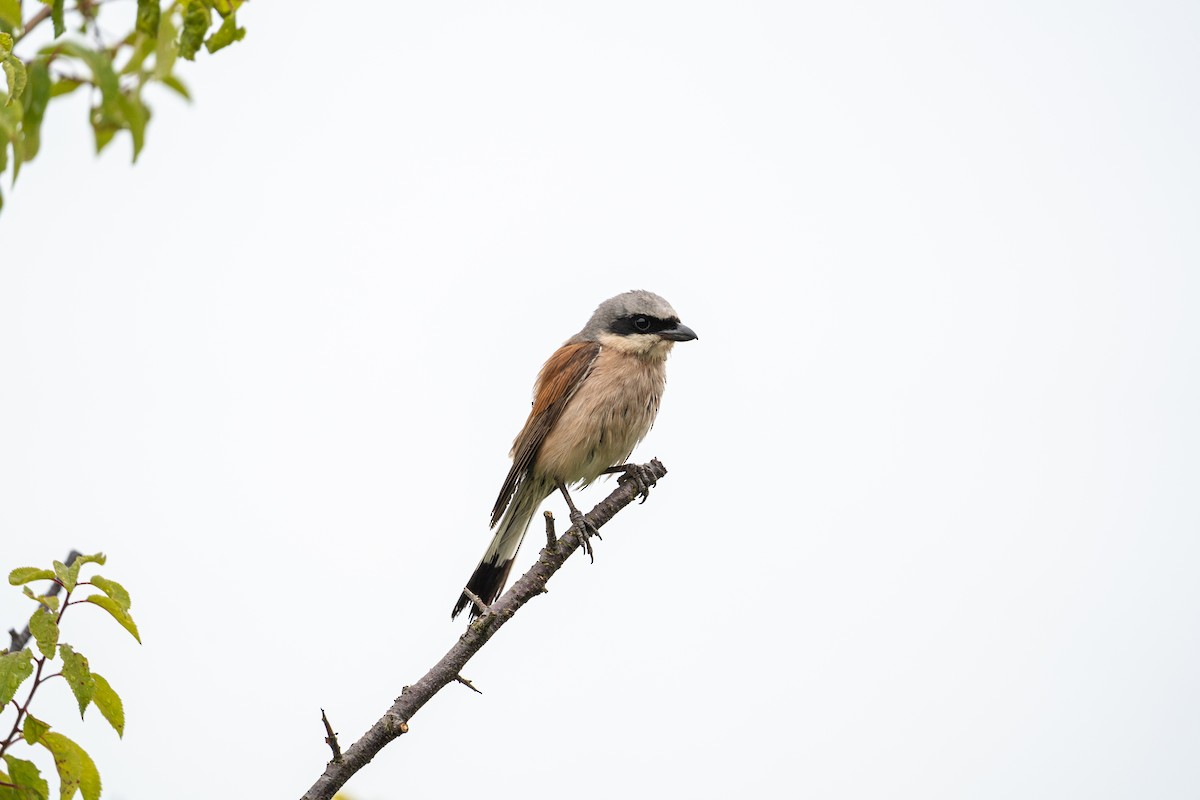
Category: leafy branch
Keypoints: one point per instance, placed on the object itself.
(76, 770)
(394, 722)
(115, 72)
(19, 640)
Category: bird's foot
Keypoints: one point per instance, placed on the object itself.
(639, 475)
(585, 531)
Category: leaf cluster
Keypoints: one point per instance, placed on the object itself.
(20, 779)
(115, 72)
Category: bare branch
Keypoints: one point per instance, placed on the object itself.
(467, 684)
(331, 738)
(37, 19)
(532, 584)
(551, 536)
(85, 8)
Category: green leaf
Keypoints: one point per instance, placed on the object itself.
(14, 669)
(14, 72)
(109, 703)
(177, 85)
(148, 15)
(6, 42)
(226, 35)
(118, 613)
(22, 575)
(95, 558)
(78, 675)
(31, 785)
(10, 120)
(37, 96)
(56, 16)
(44, 628)
(18, 155)
(226, 7)
(136, 116)
(106, 80)
(166, 48)
(37, 92)
(10, 13)
(114, 590)
(68, 576)
(64, 86)
(10, 123)
(34, 728)
(76, 770)
(103, 129)
(196, 21)
(142, 48)
(49, 601)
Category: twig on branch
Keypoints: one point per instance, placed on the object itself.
(87, 9)
(331, 738)
(467, 684)
(551, 536)
(37, 19)
(480, 606)
(19, 640)
(413, 698)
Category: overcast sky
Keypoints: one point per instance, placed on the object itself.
(931, 523)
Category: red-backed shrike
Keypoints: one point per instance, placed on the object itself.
(594, 400)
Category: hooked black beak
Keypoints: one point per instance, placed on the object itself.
(680, 333)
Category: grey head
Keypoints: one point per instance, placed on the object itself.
(638, 319)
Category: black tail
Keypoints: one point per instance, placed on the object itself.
(497, 562)
(487, 582)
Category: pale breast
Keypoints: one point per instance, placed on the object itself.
(608, 415)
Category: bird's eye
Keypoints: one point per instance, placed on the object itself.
(642, 324)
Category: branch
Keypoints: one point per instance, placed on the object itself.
(394, 723)
(331, 738)
(18, 640)
(43, 14)
(37, 19)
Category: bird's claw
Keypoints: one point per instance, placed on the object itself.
(641, 477)
(585, 530)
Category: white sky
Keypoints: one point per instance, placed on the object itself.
(930, 528)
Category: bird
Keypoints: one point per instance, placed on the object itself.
(594, 399)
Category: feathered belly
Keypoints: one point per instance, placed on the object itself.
(609, 414)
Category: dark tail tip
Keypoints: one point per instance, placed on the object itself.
(487, 582)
